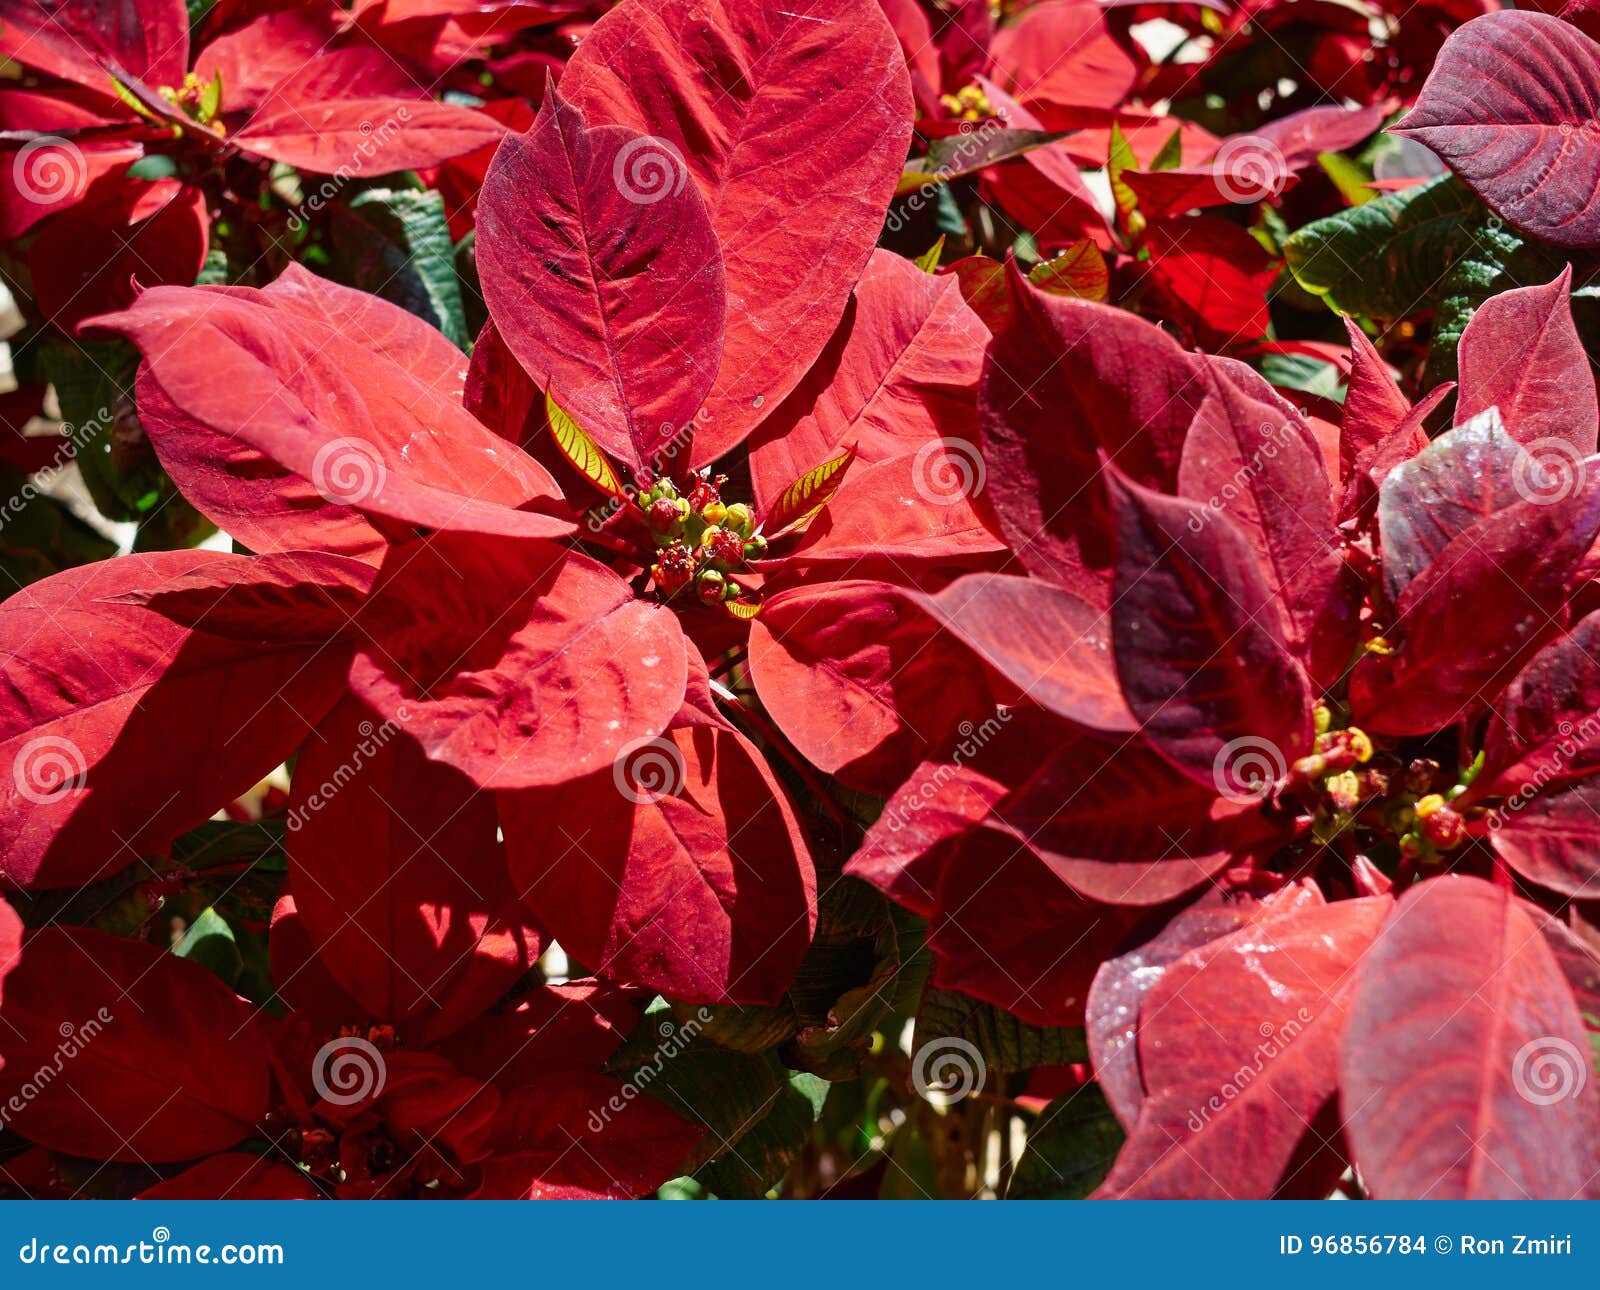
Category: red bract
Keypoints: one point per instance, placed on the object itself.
(116, 87)
(1245, 749)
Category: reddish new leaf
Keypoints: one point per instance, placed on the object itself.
(604, 277)
(1510, 106)
(79, 39)
(151, 1058)
(1239, 1049)
(1464, 1071)
(793, 117)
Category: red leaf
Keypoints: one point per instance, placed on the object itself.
(1465, 1067)
(1373, 403)
(234, 1175)
(77, 39)
(1116, 999)
(168, 1061)
(1509, 106)
(901, 371)
(680, 868)
(1254, 458)
(1500, 584)
(1521, 353)
(238, 367)
(859, 680)
(159, 233)
(1198, 640)
(518, 663)
(1121, 826)
(1061, 54)
(1009, 931)
(1453, 483)
(927, 505)
(396, 874)
(732, 87)
(1552, 837)
(1211, 277)
(1269, 1000)
(603, 275)
(125, 730)
(1052, 646)
(1544, 726)
(299, 124)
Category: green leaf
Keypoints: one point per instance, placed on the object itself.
(928, 261)
(799, 503)
(211, 97)
(209, 942)
(1120, 158)
(1069, 1150)
(756, 1113)
(1170, 157)
(396, 244)
(584, 453)
(1002, 1041)
(1079, 271)
(1348, 177)
(1435, 246)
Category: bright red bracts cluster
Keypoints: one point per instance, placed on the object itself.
(563, 769)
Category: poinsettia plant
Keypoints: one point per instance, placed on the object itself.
(710, 598)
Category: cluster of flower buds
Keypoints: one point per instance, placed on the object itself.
(700, 540)
(200, 101)
(969, 103)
